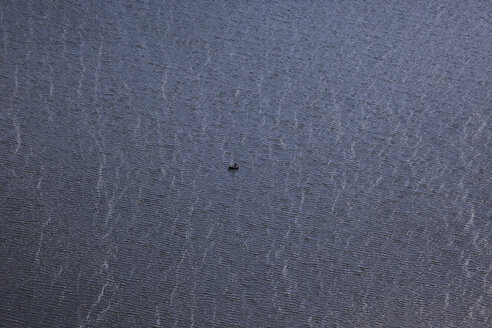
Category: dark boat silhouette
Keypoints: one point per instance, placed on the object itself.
(233, 167)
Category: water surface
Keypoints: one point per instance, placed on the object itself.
(362, 131)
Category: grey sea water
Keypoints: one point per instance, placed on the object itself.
(362, 131)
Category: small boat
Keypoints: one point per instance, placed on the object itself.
(233, 167)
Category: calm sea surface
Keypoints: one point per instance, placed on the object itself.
(363, 134)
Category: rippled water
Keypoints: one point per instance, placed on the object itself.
(362, 131)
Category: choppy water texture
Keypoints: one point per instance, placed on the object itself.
(362, 131)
